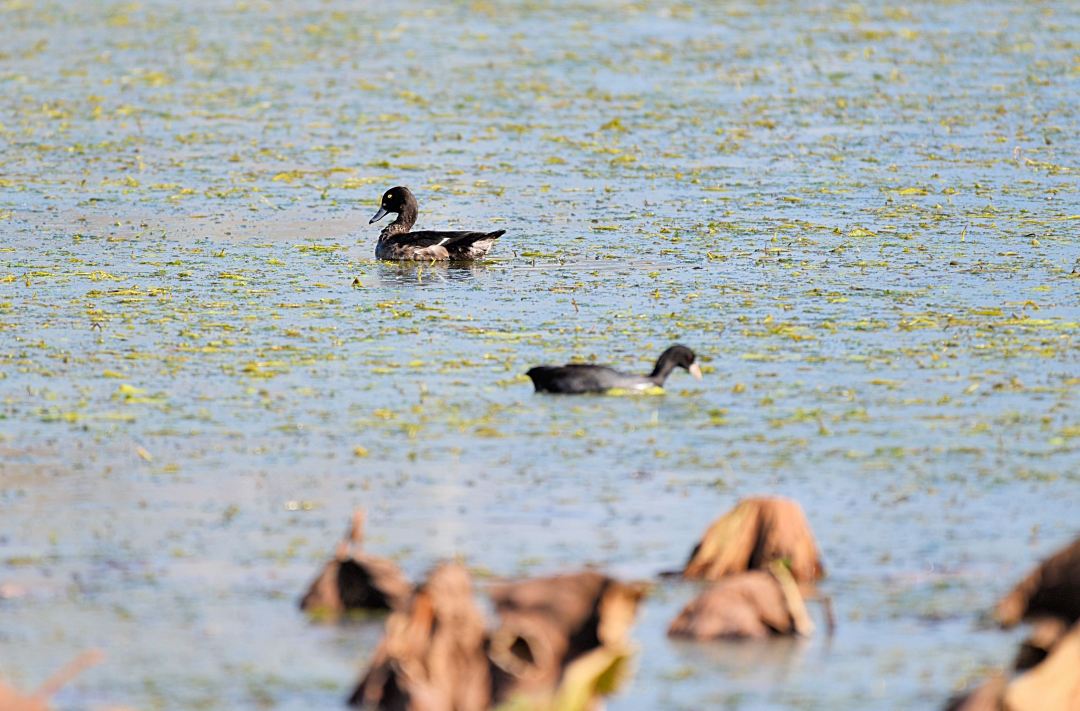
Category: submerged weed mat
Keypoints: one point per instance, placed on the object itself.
(862, 218)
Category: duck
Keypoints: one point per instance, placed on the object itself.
(577, 379)
(397, 244)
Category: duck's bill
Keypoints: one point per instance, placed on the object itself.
(378, 216)
(695, 370)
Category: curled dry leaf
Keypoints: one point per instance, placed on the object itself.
(432, 656)
(754, 534)
(547, 624)
(12, 700)
(588, 679)
(562, 642)
(1053, 684)
(1045, 633)
(353, 580)
(751, 604)
(1052, 590)
(585, 683)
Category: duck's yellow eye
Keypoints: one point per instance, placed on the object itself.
(389, 196)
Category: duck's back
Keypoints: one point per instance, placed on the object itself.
(435, 244)
(574, 378)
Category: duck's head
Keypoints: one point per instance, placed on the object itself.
(396, 200)
(679, 357)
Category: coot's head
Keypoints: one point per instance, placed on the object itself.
(396, 200)
(679, 357)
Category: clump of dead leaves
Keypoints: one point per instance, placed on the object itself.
(353, 581)
(757, 554)
(1051, 591)
(751, 604)
(1046, 673)
(561, 643)
(432, 653)
(754, 534)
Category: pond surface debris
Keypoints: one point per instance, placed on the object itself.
(756, 555)
(1046, 673)
(752, 536)
(1051, 591)
(561, 639)
(432, 654)
(561, 643)
(753, 604)
(353, 580)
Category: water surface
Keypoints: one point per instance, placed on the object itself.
(861, 217)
